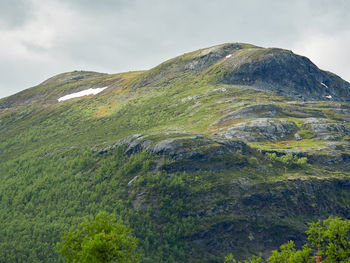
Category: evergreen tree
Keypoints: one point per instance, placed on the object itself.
(100, 240)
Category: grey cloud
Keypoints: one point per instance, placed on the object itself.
(14, 13)
(99, 7)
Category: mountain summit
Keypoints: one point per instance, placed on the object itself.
(232, 148)
(270, 69)
(273, 70)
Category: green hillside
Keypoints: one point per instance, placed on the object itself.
(232, 148)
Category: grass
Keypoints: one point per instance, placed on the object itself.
(304, 145)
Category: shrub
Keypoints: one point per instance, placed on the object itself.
(288, 160)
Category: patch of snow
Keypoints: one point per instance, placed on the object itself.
(324, 85)
(82, 93)
(328, 96)
(228, 56)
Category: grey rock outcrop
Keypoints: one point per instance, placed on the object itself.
(260, 129)
(252, 112)
(138, 145)
(127, 140)
(189, 152)
(327, 129)
(297, 137)
(167, 146)
(284, 73)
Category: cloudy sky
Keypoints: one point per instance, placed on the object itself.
(42, 38)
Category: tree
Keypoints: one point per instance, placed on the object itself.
(331, 235)
(101, 239)
(289, 254)
(253, 259)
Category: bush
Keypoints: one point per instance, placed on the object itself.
(288, 160)
(253, 161)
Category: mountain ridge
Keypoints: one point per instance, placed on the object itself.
(198, 159)
(240, 57)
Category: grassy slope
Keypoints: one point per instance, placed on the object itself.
(50, 178)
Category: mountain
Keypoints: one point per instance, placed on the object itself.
(232, 148)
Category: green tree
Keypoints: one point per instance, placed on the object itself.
(253, 259)
(288, 254)
(331, 235)
(100, 239)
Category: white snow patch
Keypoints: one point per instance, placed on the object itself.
(228, 56)
(82, 93)
(328, 96)
(324, 85)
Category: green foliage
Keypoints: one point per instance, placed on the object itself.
(253, 161)
(288, 160)
(332, 235)
(101, 239)
(253, 259)
(288, 254)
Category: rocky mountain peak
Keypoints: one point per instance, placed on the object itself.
(275, 70)
(283, 73)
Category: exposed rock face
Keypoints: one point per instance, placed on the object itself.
(269, 111)
(252, 112)
(275, 70)
(297, 137)
(137, 145)
(265, 213)
(284, 73)
(327, 129)
(167, 146)
(302, 112)
(188, 153)
(127, 140)
(260, 129)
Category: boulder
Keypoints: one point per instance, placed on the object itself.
(297, 137)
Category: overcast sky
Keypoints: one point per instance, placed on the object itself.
(42, 38)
